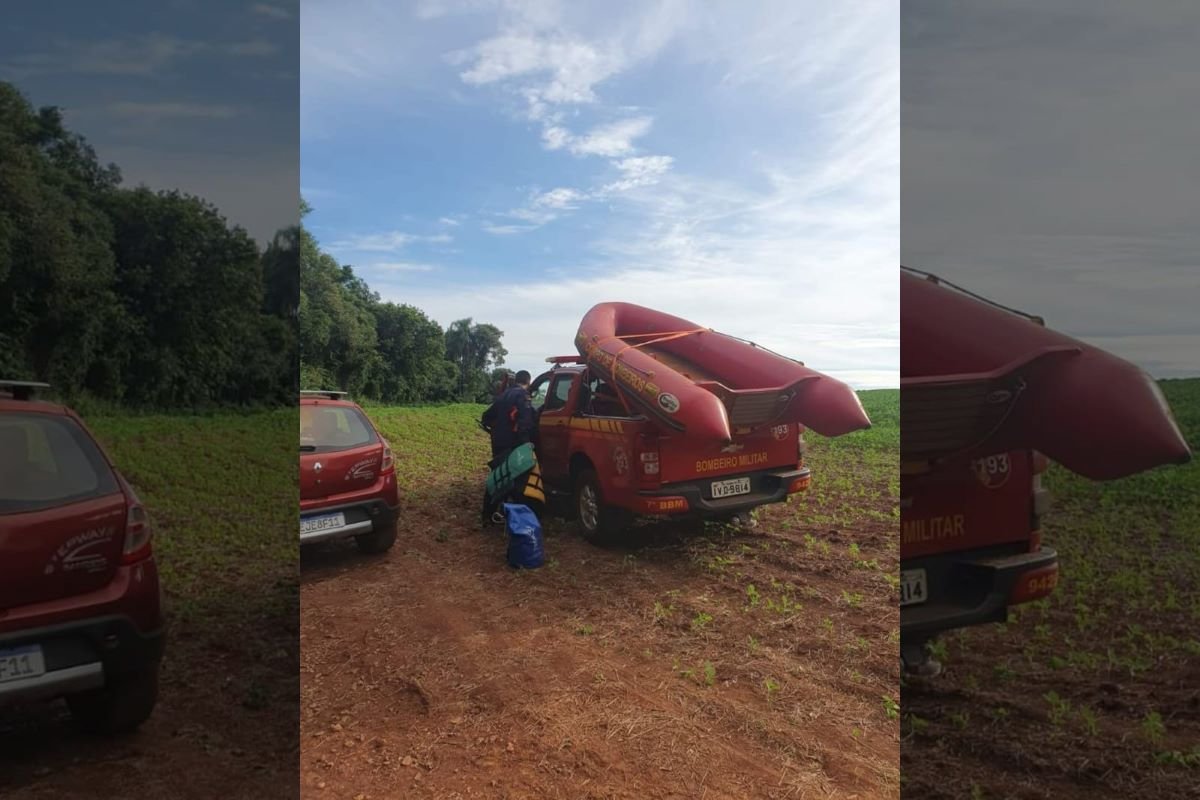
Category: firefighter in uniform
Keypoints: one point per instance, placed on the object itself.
(511, 422)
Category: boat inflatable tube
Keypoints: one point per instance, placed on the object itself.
(705, 383)
(976, 378)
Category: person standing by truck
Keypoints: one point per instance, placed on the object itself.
(511, 422)
(510, 419)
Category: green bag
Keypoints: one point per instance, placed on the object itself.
(504, 477)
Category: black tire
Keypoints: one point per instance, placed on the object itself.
(125, 702)
(377, 541)
(600, 523)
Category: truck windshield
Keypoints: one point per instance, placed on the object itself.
(48, 461)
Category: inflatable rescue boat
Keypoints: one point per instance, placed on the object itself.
(979, 378)
(708, 384)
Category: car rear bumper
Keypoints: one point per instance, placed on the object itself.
(975, 589)
(81, 655)
(694, 497)
(363, 516)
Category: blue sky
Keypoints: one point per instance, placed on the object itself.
(518, 161)
(196, 95)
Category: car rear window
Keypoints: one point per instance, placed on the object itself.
(48, 461)
(327, 428)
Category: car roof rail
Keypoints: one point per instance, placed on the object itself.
(21, 390)
(329, 393)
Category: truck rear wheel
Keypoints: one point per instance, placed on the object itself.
(600, 523)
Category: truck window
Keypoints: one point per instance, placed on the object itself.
(537, 391)
(559, 392)
(603, 400)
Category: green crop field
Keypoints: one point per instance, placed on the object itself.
(222, 496)
(1103, 671)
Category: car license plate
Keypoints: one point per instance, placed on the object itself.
(730, 488)
(913, 589)
(20, 663)
(327, 522)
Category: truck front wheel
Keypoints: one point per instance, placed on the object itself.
(601, 523)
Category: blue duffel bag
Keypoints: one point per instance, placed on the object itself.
(524, 537)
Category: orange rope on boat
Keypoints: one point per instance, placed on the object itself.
(663, 336)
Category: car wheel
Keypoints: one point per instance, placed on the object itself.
(121, 706)
(600, 523)
(377, 541)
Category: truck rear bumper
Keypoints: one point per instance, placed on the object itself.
(695, 497)
(973, 589)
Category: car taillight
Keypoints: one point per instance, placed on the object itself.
(137, 536)
(388, 461)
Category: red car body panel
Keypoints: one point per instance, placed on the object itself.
(353, 480)
(66, 583)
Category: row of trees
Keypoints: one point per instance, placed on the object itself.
(152, 300)
(352, 340)
(146, 299)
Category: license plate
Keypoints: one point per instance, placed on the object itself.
(913, 589)
(20, 663)
(730, 488)
(324, 523)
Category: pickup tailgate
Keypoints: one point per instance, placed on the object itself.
(966, 505)
(769, 447)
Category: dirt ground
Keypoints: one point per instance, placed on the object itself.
(225, 727)
(221, 495)
(758, 664)
(996, 726)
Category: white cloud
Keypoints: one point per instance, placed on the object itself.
(267, 10)
(559, 198)
(639, 171)
(613, 139)
(160, 111)
(386, 242)
(449, 221)
(401, 266)
(506, 230)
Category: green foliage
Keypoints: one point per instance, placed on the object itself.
(127, 296)
(351, 340)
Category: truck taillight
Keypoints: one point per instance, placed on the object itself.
(1040, 463)
(137, 536)
(388, 461)
(801, 448)
(648, 462)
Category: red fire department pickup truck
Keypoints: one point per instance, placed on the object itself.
(614, 467)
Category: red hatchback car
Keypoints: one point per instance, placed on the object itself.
(347, 475)
(80, 607)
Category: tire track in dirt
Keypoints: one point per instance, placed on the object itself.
(438, 672)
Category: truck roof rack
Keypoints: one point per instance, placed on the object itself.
(21, 390)
(329, 393)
